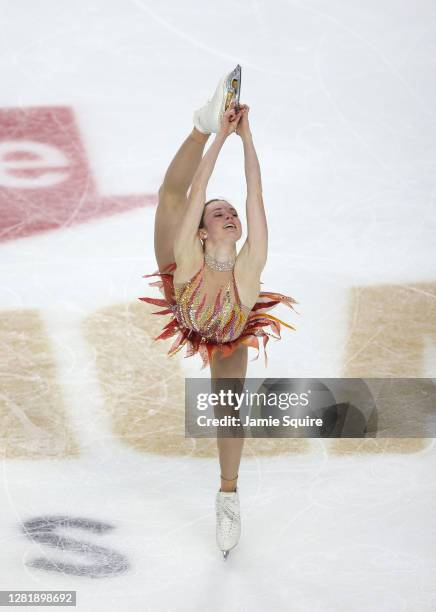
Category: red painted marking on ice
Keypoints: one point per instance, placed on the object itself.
(45, 178)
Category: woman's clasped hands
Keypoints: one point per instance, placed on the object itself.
(235, 119)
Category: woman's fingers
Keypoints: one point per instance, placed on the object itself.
(233, 115)
(233, 111)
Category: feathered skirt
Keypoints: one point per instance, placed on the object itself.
(257, 322)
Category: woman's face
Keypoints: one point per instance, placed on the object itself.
(221, 222)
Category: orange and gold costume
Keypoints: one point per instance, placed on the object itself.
(220, 324)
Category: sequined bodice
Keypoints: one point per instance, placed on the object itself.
(209, 303)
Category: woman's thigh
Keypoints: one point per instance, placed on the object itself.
(228, 375)
(169, 214)
(233, 366)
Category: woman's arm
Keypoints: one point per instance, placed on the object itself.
(197, 194)
(257, 228)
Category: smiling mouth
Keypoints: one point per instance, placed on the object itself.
(230, 227)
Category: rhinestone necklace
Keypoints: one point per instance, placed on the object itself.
(221, 266)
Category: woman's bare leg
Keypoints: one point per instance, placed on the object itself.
(173, 195)
(229, 446)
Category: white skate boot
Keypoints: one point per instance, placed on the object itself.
(228, 521)
(207, 119)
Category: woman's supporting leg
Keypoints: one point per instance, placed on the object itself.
(173, 195)
(230, 440)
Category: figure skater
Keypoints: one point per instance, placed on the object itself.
(212, 292)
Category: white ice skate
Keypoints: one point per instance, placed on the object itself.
(228, 521)
(207, 119)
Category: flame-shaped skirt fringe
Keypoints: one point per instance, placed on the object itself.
(257, 322)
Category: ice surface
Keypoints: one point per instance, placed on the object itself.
(101, 493)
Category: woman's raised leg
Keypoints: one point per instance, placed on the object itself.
(173, 195)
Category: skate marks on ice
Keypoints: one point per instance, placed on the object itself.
(46, 180)
(388, 325)
(33, 420)
(53, 532)
(143, 388)
(388, 330)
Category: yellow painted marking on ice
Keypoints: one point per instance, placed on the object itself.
(388, 325)
(144, 388)
(33, 422)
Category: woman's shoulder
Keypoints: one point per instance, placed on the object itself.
(188, 265)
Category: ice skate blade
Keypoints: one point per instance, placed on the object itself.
(227, 552)
(233, 87)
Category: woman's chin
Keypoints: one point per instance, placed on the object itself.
(232, 235)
